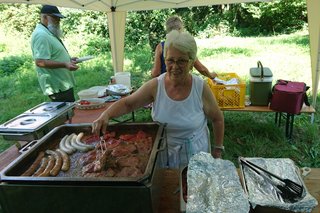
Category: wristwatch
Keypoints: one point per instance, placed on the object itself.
(219, 147)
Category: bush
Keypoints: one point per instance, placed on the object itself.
(10, 65)
(96, 45)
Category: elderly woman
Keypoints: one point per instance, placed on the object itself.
(181, 100)
(174, 23)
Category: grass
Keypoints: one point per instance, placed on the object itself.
(246, 134)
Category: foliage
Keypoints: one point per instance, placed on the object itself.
(95, 46)
(12, 64)
(20, 18)
(142, 27)
(276, 17)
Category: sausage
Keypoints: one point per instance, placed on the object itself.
(50, 165)
(62, 145)
(65, 160)
(34, 165)
(78, 141)
(58, 162)
(68, 145)
(76, 145)
(43, 165)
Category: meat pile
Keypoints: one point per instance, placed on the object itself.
(123, 156)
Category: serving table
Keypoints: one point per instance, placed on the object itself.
(289, 118)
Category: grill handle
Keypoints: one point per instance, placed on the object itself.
(163, 145)
(27, 146)
(13, 133)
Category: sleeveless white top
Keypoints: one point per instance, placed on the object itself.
(186, 124)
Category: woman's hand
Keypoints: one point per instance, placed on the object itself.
(213, 75)
(100, 125)
(217, 153)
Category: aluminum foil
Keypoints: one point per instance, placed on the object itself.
(263, 193)
(214, 186)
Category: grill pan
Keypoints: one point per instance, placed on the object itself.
(82, 194)
(50, 141)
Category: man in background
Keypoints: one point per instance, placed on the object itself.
(54, 65)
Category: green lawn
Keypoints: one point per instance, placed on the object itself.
(246, 134)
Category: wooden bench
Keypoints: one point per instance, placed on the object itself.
(288, 117)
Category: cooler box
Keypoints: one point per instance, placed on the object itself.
(260, 85)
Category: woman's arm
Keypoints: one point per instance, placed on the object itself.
(156, 70)
(213, 112)
(203, 69)
(143, 96)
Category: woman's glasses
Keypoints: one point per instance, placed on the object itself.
(179, 62)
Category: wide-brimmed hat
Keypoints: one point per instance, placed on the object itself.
(51, 10)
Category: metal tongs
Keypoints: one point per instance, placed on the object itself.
(288, 190)
(103, 145)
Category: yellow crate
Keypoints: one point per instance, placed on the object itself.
(228, 96)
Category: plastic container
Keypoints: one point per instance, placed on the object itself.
(228, 96)
(260, 85)
(123, 78)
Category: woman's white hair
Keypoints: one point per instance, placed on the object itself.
(182, 41)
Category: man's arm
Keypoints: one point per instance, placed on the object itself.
(44, 63)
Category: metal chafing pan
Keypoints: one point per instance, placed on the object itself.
(82, 194)
(36, 122)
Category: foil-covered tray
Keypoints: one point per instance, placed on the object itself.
(263, 193)
(214, 186)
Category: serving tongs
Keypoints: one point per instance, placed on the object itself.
(102, 141)
(288, 189)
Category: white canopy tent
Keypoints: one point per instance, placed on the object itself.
(117, 10)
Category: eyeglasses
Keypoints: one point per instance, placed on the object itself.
(179, 62)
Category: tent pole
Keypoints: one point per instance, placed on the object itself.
(116, 24)
(314, 34)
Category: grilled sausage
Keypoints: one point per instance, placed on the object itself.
(58, 162)
(68, 145)
(62, 145)
(43, 165)
(65, 160)
(34, 165)
(76, 145)
(50, 165)
(78, 141)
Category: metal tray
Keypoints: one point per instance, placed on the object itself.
(266, 204)
(82, 195)
(36, 122)
(50, 141)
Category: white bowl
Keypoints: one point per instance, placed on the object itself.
(84, 94)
